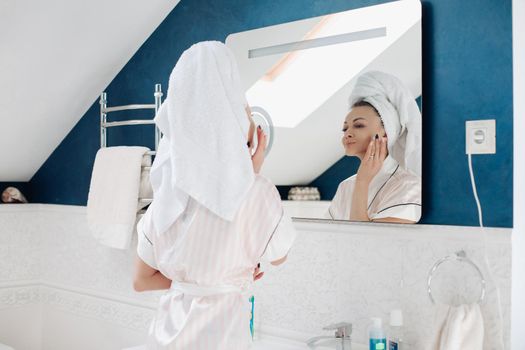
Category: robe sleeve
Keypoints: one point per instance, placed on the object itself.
(281, 240)
(336, 210)
(274, 223)
(407, 211)
(145, 243)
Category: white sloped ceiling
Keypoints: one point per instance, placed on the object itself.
(55, 58)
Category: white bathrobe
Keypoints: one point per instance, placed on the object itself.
(211, 261)
(393, 192)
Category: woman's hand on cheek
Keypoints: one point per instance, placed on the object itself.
(258, 156)
(372, 162)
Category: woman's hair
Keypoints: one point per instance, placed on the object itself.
(363, 103)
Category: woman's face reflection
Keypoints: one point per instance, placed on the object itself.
(360, 125)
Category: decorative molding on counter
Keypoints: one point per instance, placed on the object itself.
(101, 308)
(121, 311)
(17, 294)
(110, 297)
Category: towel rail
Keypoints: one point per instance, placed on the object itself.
(129, 122)
(127, 107)
(104, 110)
(144, 202)
(104, 124)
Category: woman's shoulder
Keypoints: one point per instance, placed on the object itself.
(263, 180)
(265, 186)
(403, 186)
(407, 177)
(263, 196)
(349, 181)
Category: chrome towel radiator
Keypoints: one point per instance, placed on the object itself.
(104, 124)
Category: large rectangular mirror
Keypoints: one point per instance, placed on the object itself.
(340, 96)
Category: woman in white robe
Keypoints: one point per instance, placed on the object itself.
(213, 217)
(382, 129)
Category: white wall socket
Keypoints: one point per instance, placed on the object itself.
(481, 136)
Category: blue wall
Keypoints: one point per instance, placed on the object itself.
(467, 74)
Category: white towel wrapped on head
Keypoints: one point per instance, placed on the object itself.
(399, 113)
(114, 192)
(204, 125)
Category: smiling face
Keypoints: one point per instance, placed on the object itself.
(360, 126)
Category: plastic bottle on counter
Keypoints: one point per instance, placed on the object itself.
(395, 332)
(377, 335)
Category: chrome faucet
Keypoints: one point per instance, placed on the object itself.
(343, 330)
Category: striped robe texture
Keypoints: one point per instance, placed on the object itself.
(203, 249)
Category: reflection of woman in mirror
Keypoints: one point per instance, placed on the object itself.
(382, 129)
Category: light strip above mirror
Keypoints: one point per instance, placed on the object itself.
(318, 42)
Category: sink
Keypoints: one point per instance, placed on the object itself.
(275, 343)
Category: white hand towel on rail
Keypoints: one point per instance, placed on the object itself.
(114, 193)
(458, 328)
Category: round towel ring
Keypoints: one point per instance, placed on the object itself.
(459, 256)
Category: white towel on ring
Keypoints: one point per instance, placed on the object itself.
(458, 328)
(113, 194)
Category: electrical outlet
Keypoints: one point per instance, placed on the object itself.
(480, 136)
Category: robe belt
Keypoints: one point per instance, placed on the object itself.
(205, 291)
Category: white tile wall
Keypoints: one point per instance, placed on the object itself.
(335, 272)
